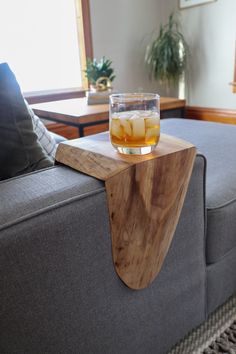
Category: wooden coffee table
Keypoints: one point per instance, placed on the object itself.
(76, 113)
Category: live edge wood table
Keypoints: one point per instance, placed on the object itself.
(90, 119)
(145, 194)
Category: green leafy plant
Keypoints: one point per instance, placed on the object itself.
(166, 56)
(99, 69)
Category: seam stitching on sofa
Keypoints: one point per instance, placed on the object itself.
(48, 208)
(8, 180)
(218, 207)
(232, 250)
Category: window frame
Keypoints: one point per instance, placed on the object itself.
(85, 37)
(234, 82)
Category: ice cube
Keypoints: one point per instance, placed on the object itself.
(116, 129)
(152, 122)
(134, 116)
(124, 115)
(125, 123)
(138, 126)
(152, 133)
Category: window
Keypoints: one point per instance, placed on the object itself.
(45, 43)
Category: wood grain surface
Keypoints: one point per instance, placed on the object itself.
(145, 196)
(218, 115)
(78, 111)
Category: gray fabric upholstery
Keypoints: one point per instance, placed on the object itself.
(59, 290)
(218, 143)
(33, 193)
(221, 280)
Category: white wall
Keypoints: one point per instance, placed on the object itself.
(121, 30)
(210, 30)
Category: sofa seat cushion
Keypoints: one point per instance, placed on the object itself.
(218, 143)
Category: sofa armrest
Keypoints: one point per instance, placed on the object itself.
(35, 193)
(59, 292)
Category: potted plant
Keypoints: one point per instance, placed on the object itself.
(100, 74)
(166, 56)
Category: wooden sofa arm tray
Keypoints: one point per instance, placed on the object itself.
(145, 195)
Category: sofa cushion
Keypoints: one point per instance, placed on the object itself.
(20, 151)
(218, 143)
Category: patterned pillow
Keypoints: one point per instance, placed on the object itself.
(45, 139)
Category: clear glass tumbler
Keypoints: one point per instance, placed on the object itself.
(134, 122)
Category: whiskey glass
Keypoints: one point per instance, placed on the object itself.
(134, 122)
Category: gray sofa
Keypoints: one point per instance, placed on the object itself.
(59, 292)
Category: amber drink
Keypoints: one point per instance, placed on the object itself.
(134, 122)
